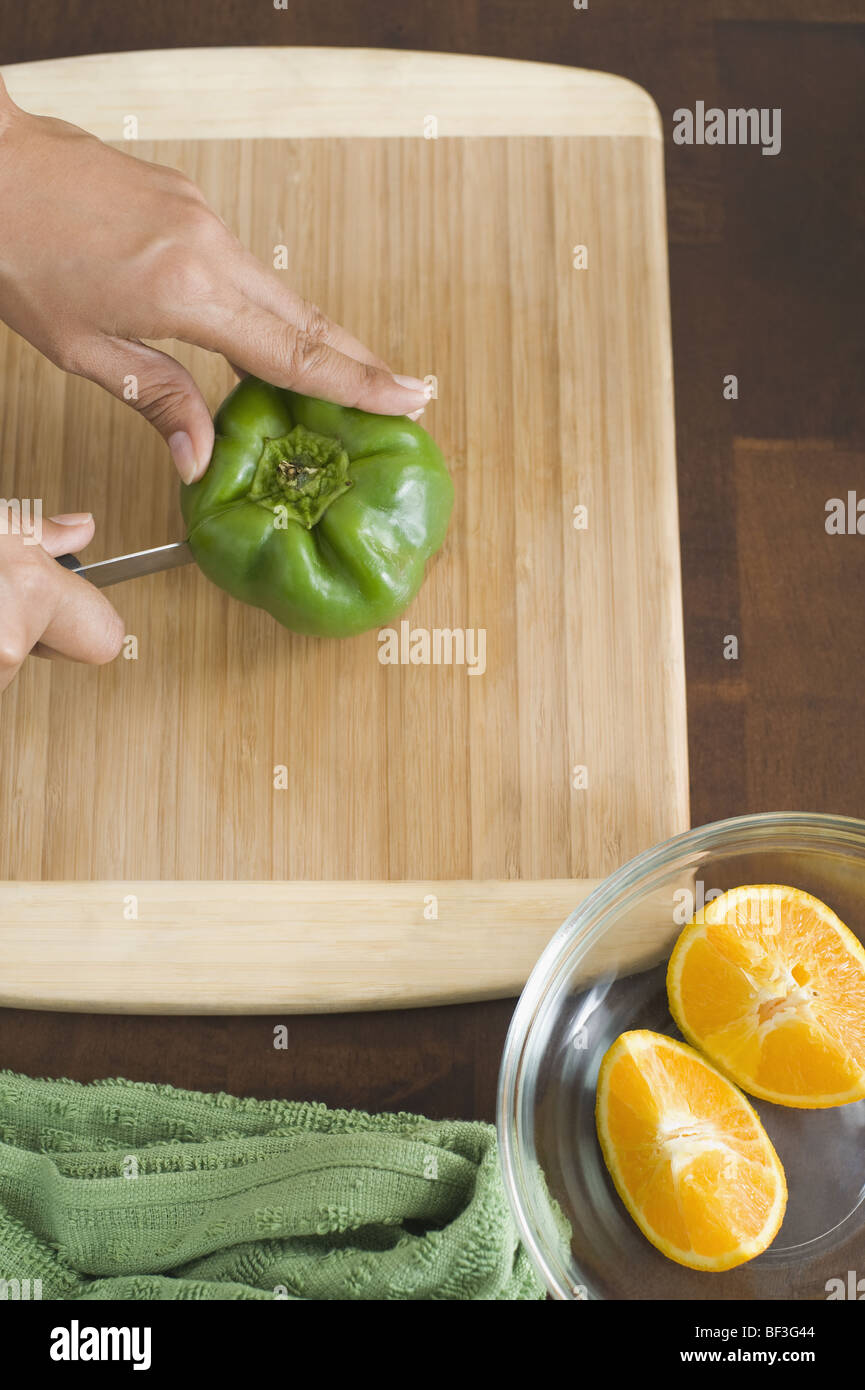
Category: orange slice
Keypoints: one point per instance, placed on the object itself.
(771, 986)
(688, 1154)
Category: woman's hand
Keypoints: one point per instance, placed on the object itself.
(99, 250)
(46, 609)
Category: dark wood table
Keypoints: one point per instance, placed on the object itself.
(767, 261)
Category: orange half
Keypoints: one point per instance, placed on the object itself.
(771, 986)
(687, 1153)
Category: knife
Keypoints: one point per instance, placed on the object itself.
(140, 562)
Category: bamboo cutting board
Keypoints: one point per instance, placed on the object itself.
(229, 749)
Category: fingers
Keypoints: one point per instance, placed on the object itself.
(278, 335)
(82, 625)
(163, 392)
(266, 290)
(304, 358)
(45, 608)
(14, 647)
(64, 535)
(74, 619)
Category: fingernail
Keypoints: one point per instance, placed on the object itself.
(72, 518)
(416, 414)
(184, 455)
(412, 383)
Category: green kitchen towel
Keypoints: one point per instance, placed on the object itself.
(123, 1189)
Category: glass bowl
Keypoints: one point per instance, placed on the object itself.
(604, 973)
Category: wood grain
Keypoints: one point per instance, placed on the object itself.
(283, 947)
(226, 93)
(452, 257)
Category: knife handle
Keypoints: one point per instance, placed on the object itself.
(69, 562)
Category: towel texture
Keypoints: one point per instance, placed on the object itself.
(128, 1190)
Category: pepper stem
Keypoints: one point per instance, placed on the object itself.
(301, 472)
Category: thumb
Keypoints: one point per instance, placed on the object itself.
(164, 393)
(64, 535)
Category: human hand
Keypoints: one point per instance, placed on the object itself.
(100, 250)
(46, 609)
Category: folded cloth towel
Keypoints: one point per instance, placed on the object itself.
(122, 1189)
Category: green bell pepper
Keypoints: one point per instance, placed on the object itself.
(323, 515)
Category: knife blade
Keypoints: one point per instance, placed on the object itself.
(104, 572)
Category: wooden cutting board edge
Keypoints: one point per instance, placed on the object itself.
(224, 93)
(303, 947)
